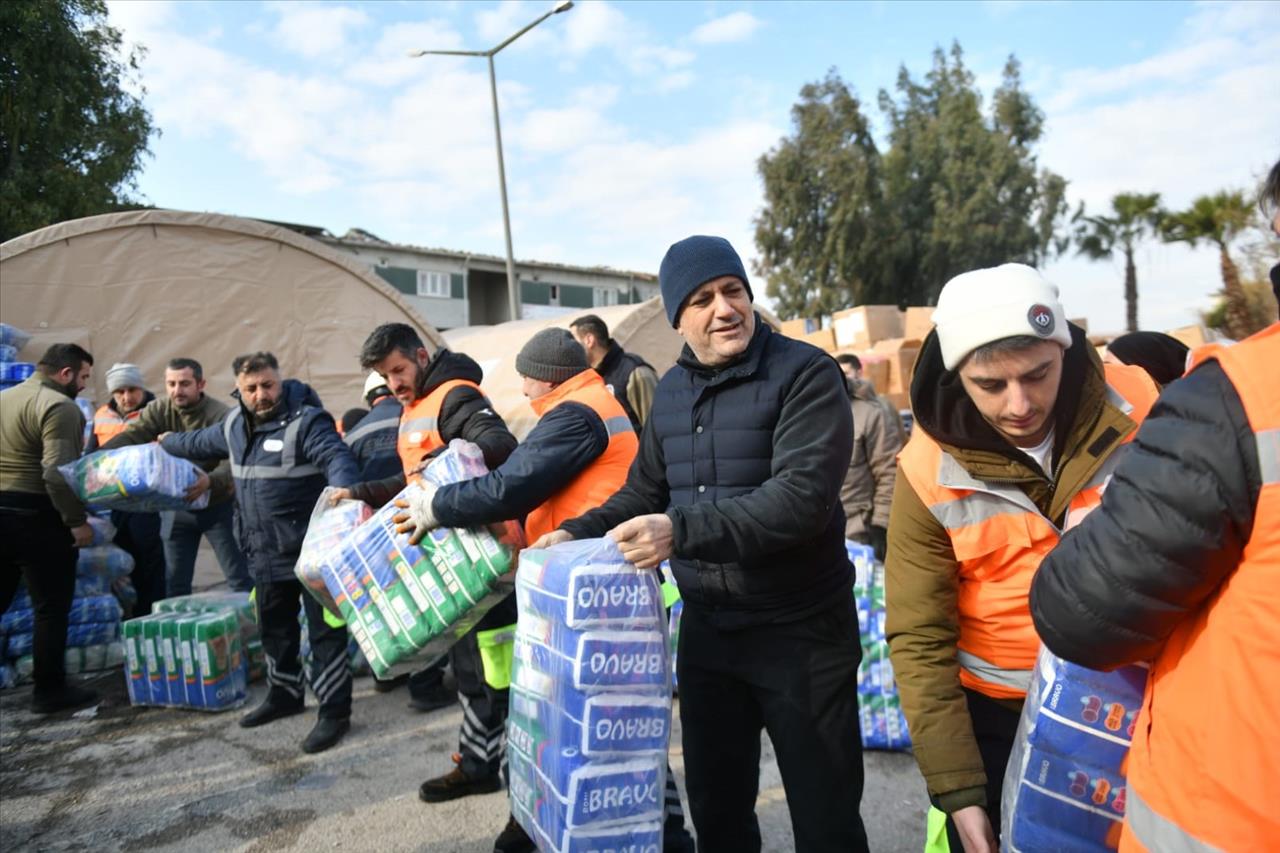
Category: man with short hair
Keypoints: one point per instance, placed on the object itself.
(284, 449)
(138, 533)
(1018, 426)
(737, 481)
(628, 376)
(867, 492)
(187, 408)
(42, 522)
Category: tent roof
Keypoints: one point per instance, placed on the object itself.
(641, 329)
(149, 285)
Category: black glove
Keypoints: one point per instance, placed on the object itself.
(879, 543)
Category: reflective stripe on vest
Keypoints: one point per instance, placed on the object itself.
(606, 474)
(288, 467)
(998, 537)
(1197, 782)
(363, 430)
(419, 434)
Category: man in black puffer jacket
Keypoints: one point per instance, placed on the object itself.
(738, 480)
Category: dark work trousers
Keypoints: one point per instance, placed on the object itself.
(797, 681)
(330, 674)
(484, 709)
(139, 534)
(995, 727)
(38, 547)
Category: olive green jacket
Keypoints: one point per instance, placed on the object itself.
(161, 416)
(40, 429)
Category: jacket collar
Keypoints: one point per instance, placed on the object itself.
(556, 396)
(40, 379)
(742, 367)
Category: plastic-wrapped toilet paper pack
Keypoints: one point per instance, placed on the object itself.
(597, 659)
(605, 725)
(585, 595)
(573, 792)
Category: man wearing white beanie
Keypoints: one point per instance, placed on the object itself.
(1016, 427)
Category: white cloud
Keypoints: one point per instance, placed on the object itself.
(314, 30)
(507, 18)
(388, 62)
(734, 27)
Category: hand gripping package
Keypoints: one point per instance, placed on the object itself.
(590, 711)
(880, 716)
(1065, 785)
(142, 478)
(407, 604)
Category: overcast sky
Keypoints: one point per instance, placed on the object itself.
(630, 125)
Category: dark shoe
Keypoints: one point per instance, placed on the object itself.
(269, 711)
(325, 733)
(431, 698)
(513, 839)
(675, 838)
(62, 698)
(387, 685)
(455, 784)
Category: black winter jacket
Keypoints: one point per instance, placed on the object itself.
(280, 468)
(373, 441)
(616, 369)
(1173, 524)
(465, 413)
(747, 460)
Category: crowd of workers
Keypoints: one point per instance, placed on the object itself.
(747, 466)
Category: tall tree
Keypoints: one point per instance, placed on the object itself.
(1218, 219)
(71, 136)
(1134, 218)
(958, 187)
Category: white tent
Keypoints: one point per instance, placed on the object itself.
(147, 286)
(641, 329)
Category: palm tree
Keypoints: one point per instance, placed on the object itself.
(1136, 217)
(1217, 219)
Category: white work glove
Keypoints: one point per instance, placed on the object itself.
(418, 519)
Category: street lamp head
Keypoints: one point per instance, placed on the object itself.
(414, 54)
(562, 6)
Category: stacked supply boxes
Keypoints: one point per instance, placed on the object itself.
(142, 478)
(239, 603)
(879, 709)
(186, 659)
(590, 701)
(1065, 786)
(93, 637)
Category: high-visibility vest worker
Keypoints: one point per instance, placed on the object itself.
(108, 423)
(1204, 768)
(999, 538)
(419, 435)
(597, 483)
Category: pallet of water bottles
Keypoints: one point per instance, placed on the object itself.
(12, 371)
(191, 652)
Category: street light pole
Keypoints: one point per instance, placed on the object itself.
(513, 294)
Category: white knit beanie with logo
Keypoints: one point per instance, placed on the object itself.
(983, 306)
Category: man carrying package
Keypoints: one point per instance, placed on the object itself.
(1017, 424)
(573, 460)
(42, 522)
(186, 408)
(284, 449)
(138, 533)
(737, 480)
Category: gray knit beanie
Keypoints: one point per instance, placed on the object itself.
(124, 375)
(552, 356)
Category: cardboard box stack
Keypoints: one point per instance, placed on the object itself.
(861, 327)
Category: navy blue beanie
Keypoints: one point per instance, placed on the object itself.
(693, 262)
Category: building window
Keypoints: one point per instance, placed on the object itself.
(432, 283)
(606, 296)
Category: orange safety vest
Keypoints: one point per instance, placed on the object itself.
(999, 537)
(107, 423)
(597, 483)
(419, 435)
(1204, 768)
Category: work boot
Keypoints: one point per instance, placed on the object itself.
(271, 710)
(64, 697)
(387, 685)
(430, 698)
(675, 838)
(326, 733)
(456, 784)
(513, 839)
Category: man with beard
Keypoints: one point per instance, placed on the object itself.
(284, 449)
(42, 522)
(186, 409)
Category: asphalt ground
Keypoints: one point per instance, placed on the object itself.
(122, 778)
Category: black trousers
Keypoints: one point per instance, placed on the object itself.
(995, 727)
(139, 534)
(482, 735)
(798, 681)
(39, 547)
(330, 675)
